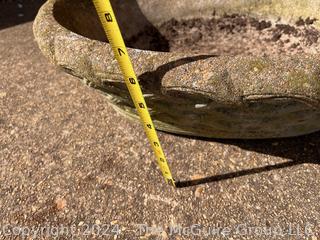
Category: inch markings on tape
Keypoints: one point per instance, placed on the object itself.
(112, 30)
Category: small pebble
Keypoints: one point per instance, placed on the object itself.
(60, 203)
(3, 94)
(114, 222)
(164, 235)
(198, 192)
(276, 177)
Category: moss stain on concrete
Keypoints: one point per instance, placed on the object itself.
(257, 65)
(301, 79)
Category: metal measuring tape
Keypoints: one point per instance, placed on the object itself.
(112, 30)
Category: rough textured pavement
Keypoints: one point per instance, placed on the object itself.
(69, 160)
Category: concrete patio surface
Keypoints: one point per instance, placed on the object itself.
(69, 161)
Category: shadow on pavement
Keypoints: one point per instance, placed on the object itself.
(299, 150)
(18, 11)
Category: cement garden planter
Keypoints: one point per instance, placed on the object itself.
(242, 96)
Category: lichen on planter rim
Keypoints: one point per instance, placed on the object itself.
(240, 96)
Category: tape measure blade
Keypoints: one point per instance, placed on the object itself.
(113, 33)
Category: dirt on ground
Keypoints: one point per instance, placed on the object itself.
(231, 35)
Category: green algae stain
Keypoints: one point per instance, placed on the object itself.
(257, 65)
(300, 79)
(219, 77)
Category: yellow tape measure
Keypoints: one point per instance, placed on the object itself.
(112, 30)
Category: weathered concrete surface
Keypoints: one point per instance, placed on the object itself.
(241, 96)
(68, 158)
